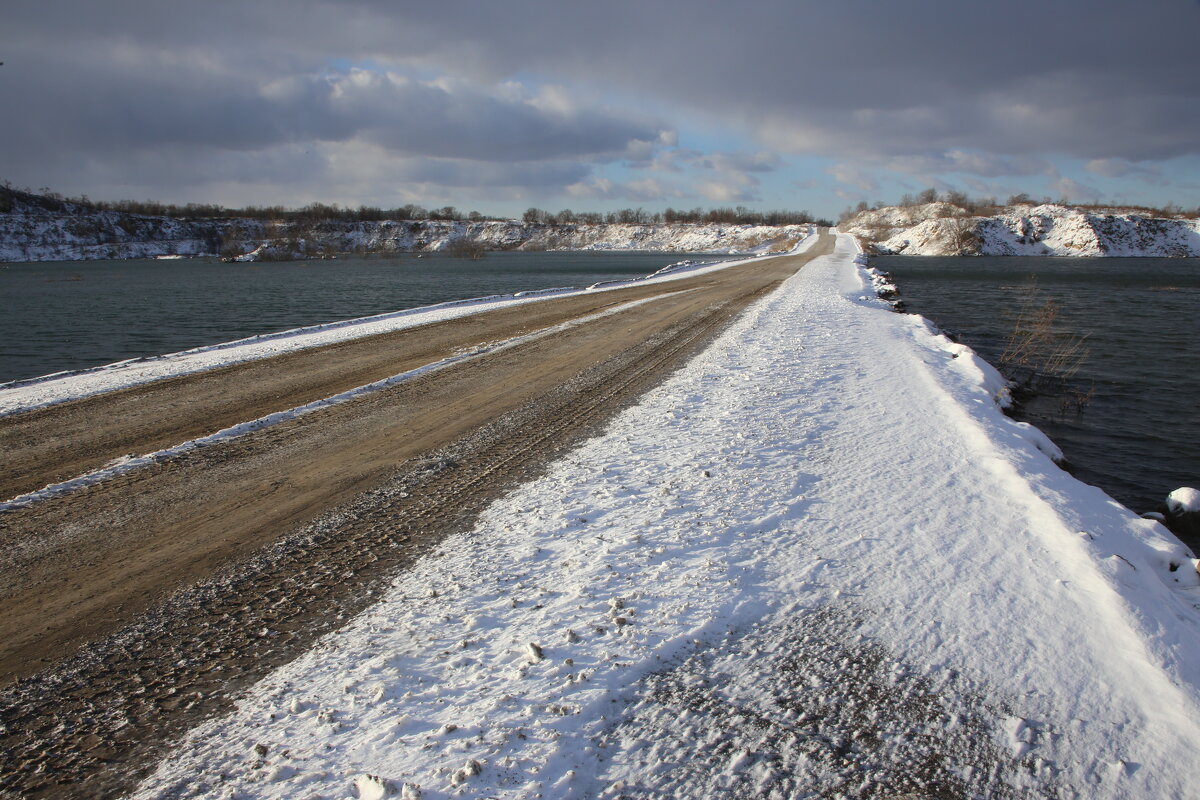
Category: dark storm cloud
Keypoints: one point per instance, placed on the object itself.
(940, 85)
(146, 98)
(1089, 79)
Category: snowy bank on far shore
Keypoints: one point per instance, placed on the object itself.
(943, 229)
(818, 560)
(31, 232)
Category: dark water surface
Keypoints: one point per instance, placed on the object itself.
(1140, 437)
(69, 315)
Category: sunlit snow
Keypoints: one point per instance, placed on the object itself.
(818, 559)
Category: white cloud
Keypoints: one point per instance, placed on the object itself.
(1075, 191)
(851, 175)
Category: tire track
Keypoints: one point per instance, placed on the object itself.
(92, 726)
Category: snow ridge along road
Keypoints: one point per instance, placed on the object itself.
(122, 465)
(818, 561)
(285, 532)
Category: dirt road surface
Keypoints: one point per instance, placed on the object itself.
(135, 607)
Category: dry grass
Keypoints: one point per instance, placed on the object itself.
(1036, 352)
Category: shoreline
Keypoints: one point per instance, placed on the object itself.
(22, 394)
(1067, 429)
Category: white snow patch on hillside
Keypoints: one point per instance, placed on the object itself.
(60, 387)
(941, 229)
(817, 559)
(34, 234)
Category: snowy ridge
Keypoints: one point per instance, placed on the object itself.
(31, 234)
(942, 229)
(818, 559)
(59, 387)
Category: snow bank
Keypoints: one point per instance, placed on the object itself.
(131, 463)
(942, 229)
(818, 559)
(33, 234)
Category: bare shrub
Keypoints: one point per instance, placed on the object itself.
(1037, 354)
(465, 248)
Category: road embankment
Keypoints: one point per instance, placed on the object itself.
(137, 604)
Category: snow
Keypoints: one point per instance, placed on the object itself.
(131, 463)
(77, 233)
(942, 229)
(60, 387)
(1184, 500)
(818, 559)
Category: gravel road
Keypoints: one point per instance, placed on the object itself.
(138, 606)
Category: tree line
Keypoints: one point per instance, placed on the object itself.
(989, 206)
(52, 201)
(639, 216)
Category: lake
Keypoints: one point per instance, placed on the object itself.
(69, 315)
(1139, 438)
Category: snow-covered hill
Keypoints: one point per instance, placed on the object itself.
(31, 232)
(943, 229)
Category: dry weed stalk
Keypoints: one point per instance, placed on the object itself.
(1036, 348)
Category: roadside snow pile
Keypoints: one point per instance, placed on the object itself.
(942, 229)
(818, 559)
(60, 387)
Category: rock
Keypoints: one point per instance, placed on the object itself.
(466, 772)
(371, 787)
(1182, 515)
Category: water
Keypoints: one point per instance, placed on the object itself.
(1140, 436)
(69, 315)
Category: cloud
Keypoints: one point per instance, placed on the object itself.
(851, 175)
(1120, 168)
(742, 162)
(927, 89)
(986, 165)
(1073, 190)
(638, 191)
(725, 191)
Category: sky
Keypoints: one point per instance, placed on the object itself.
(500, 106)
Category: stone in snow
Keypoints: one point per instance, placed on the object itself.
(371, 787)
(466, 772)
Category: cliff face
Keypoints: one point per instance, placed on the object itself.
(33, 233)
(942, 229)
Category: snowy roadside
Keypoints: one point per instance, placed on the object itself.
(817, 559)
(49, 390)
